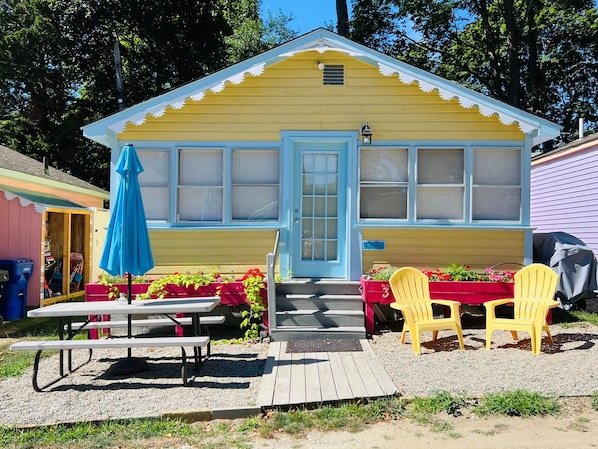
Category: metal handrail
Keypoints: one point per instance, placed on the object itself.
(271, 283)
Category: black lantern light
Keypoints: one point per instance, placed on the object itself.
(366, 134)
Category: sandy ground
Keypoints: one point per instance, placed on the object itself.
(576, 427)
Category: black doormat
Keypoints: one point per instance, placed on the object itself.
(339, 345)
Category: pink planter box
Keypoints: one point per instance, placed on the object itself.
(100, 292)
(466, 292)
(231, 294)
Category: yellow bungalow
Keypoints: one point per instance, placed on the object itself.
(354, 157)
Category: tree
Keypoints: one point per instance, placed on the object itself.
(342, 17)
(537, 55)
(57, 64)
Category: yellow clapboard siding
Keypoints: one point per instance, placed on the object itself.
(208, 248)
(235, 271)
(258, 135)
(431, 249)
(290, 96)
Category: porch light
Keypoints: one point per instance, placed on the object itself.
(366, 134)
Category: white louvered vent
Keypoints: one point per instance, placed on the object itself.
(334, 75)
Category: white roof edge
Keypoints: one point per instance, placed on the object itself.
(539, 129)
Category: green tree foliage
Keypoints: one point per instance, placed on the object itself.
(57, 64)
(540, 56)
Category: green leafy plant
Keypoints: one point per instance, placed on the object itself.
(455, 272)
(253, 285)
(595, 400)
(439, 401)
(111, 282)
(518, 403)
(158, 288)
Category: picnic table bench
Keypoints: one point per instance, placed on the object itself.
(111, 343)
(204, 322)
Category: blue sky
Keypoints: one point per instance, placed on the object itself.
(309, 14)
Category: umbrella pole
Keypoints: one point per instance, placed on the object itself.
(130, 365)
(129, 323)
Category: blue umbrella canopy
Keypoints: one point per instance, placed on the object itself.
(127, 249)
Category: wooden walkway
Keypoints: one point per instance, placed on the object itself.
(321, 377)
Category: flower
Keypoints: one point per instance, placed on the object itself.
(382, 273)
(455, 272)
(253, 285)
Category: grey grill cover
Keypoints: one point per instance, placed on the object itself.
(573, 261)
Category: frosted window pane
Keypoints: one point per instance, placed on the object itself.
(497, 167)
(255, 203)
(496, 203)
(201, 167)
(255, 167)
(200, 204)
(156, 203)
(156, 168)
(383, 202)
(440, 166)
(440, 203)
(384, 165)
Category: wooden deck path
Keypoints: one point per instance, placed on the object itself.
(320, 377)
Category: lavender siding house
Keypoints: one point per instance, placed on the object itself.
(563, 190)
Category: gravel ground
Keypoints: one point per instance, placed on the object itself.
(231, 377)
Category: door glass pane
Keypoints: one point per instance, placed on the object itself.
(320, 229)
(319, 206)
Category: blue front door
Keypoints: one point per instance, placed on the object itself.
(319, 218)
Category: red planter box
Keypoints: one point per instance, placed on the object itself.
(231, 294)
(466, 292)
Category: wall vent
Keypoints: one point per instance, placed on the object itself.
(334, 75)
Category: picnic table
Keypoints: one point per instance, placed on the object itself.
(168, 308)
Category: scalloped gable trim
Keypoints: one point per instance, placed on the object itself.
(321, 41)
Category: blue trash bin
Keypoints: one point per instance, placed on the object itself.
(14, 276)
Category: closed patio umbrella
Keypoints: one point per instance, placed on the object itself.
(127, 250)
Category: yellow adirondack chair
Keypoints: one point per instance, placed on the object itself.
(412, 297)
(535, 287)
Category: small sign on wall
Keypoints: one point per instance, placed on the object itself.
(374, 245)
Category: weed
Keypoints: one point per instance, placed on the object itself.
(594, 400)
(517, 403)
(580, 424)
(439, 401)
(585, 316)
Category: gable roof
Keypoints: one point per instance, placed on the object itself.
(321, 40)
(17, 165)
